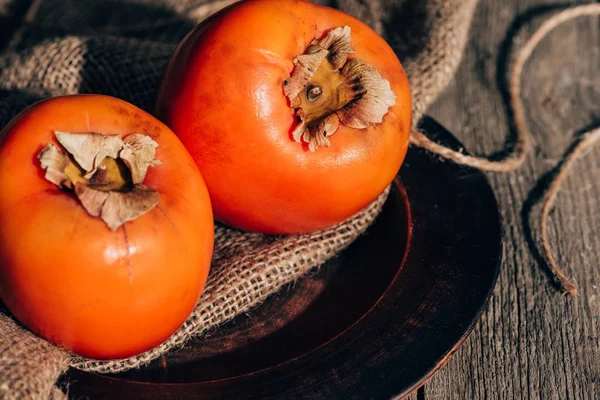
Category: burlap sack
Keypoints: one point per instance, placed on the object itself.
(120, 48)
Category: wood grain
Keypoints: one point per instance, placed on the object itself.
(532, 342)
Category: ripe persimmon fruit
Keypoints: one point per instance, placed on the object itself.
(106, 227)
(297, 115)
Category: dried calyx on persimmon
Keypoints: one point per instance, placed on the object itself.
(105, 172)
(326, 90)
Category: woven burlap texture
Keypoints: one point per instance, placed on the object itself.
(120, 48)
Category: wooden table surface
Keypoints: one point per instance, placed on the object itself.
(532, 342)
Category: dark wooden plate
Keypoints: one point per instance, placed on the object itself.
(375, 322)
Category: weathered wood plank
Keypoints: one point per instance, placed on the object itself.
(532, 342)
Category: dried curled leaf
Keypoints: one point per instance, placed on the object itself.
(329, 125)
(372, 106)
(317, 135)
(116, 208)
(105, 173)
(89, 149)
(305, 68)
(315, 139)
(299, 130)
(337, 42)
(55, 162)
(138, 154)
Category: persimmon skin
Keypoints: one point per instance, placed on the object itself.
(63, 273)
(222, 94)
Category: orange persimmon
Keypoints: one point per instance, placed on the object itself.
(297, 115)
(115, 284)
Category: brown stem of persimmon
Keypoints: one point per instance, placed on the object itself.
(105, 173)
(327, 89)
